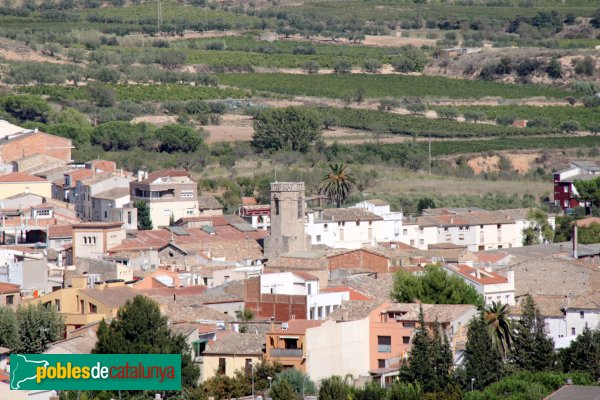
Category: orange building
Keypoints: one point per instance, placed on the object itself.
(287, 345)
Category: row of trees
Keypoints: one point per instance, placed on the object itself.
(30, 329)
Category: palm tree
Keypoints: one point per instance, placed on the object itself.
(496, 320)
(337, 183)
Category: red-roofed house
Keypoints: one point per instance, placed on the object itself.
(354, 295)
(287, 345)
(491, 285)
(10, 295)
(18, 182)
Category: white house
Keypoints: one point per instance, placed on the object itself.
(492, 286)
(522, 222)
(114, 205)
(419, 235)
(345, 228)
(391, 229)
(318, 305)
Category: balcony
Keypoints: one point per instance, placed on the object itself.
(287, 353)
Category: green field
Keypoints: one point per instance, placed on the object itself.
(555, 115)
(377, 86)
(385, 122)
(139, 93)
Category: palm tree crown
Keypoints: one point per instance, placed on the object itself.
(496, 319)
(337, 183)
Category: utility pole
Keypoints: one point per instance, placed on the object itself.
(160, 16)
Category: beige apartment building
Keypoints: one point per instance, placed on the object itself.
(18, 182)
(168, 193)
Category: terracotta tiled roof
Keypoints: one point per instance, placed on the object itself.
(209, 203)
(165, 173)
(112, 194)
(485, 277)
(297, 327)
(490, 258)
(20, 177)
(376, 286)
(60, 231)
(349, 214)
(249, 201)
(354, 295)
(183, 291)
(237, 343)
(9, 288)
(113, 297)
(432, 312)
(354, 310)
(466, 219)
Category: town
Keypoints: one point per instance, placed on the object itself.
(298, 294)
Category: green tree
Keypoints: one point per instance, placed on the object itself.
(9, 329)
(176, 138)
(539, 228)
(282, 390)
(334, 388)
(337, 184)
(140, 328)
(311, 67)
(143, 215)
(583, 354)
(101, 95)
(554, 69)
(434, 286)
(425, 203)
(342, 66)
(38, 327)
(301, 384)
(496, 319)
(371, 66)
(405, 391)
(419, 368)
(483, 361)
(223, 387)
(371, 391)
(27, 108)
(291, 128)
(589, 234)
(244, 316)
(532, 350)
(588, 190)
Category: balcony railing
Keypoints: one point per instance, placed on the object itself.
(286, 353)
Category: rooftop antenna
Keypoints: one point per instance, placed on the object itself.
(160, 16)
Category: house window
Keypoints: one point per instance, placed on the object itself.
(384, 344)
(573, 331)
(105, 214)
(300, 213)
(566, 189)
(566, 203)
(129, 217)
(43, 212)
(10, 300)
(93, 308)
(461, 237)
(421, 241)
(276, 201)
(480, 226)
(357, 223)
(380, 363)
(341, 233)
(405, 231)
(498, 226)
(189, 211)
(248, 367)
(581, 314)
(57, 305)
(405, 339)
(325, 228)
(221, 370)
(187, 193)
(319, 238)
(408, 324)
(412, 242)
(370, 233)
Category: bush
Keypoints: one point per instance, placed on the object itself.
(475, 116)
(343, 66)
(585, 66)
(311, 67)
(371, 66)
(447, 113)
(416, 108)
(176, 138)
(506, 120)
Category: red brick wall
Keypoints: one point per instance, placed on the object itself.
(264, 306)
(37, 143)
(359, 259)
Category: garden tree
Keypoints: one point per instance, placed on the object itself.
(38, 327)
(416, 108)
(39, 73)
(262, 371)
(27, 108)
(70, 116)
(334, 388)
(570, 126)
(583, 354)
(588, 190)
(496, 320)
(371, 66)
(77, 133)
(338, 183)
(120, 135)
(282, 390)
(388, 104)
(9, 329)
(244, 316)
(176, 138)
(532, 349)
(143, 215)
(330, 120)
(483, 361)
(299, 382)
(554, 69)
(435, 286)
(585, 66)
(447, 113)
(223, 387)
(76, 55)
(290, 128)
(538, 229)
(171, 58)
(425, 203)
(371, 391)
(429, 360)
(140, 328)
(405, 391)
